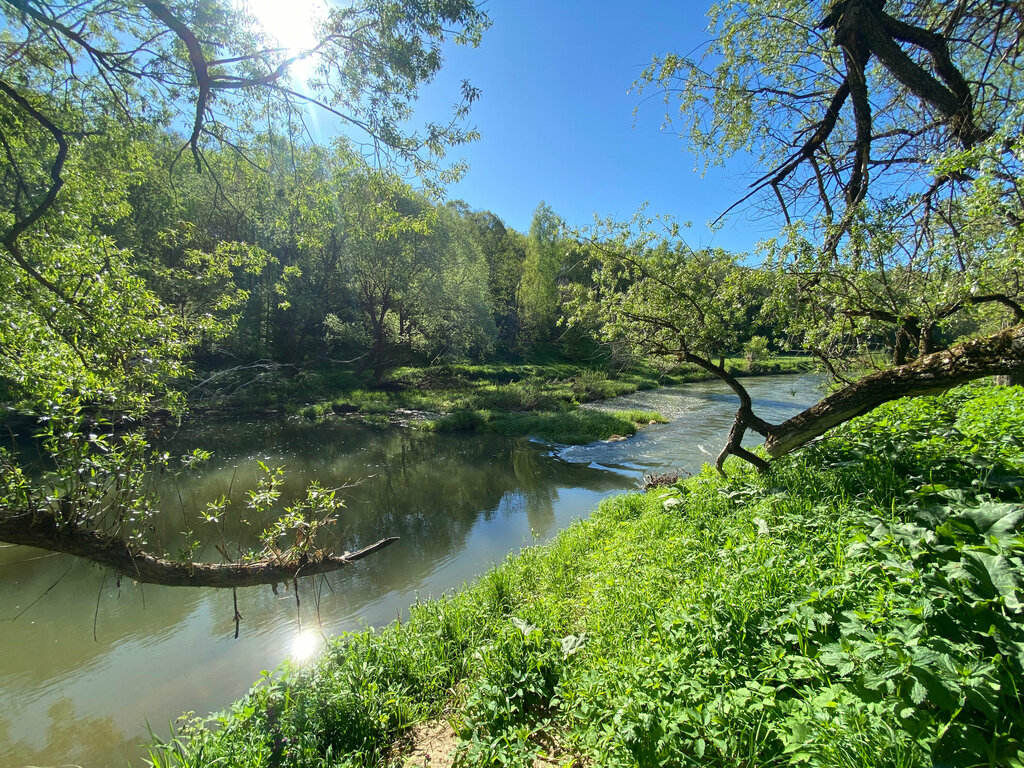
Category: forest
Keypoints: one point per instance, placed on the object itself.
(175, 245)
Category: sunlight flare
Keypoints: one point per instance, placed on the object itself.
(305, 645)
(293, 25)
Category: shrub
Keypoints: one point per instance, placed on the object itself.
(460, 421)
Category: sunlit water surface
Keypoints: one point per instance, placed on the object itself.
(86, 661)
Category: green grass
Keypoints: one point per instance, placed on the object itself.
(860, 605)
(549, 386)
(537, 399)
(567, 427)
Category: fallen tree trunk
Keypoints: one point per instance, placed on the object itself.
(999, 354)
(138, 565)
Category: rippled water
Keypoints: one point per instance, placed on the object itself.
(86, 662)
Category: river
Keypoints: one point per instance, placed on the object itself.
(86, 661)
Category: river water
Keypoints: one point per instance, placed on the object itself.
(87, 661)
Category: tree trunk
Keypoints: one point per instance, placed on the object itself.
(45, 533)
(1011, 380)
(999, 354)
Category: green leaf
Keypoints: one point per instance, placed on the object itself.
(994, 519)
(572, 643)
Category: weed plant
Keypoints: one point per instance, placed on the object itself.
(859, 605)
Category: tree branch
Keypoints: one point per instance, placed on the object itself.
(44, 532)
(999, 354)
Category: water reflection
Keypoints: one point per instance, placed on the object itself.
(458, 504)
(84, 668)
(78, 737)
(305, 646)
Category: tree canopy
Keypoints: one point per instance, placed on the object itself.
(103, 108)
(847, 101)
(888, 134)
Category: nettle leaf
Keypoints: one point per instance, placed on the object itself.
(525, 627)
(994, 519)
(984, 698)
(572, 643)
(876, 680)
(847, 668)
(993, 574)
(918, 693)
(832, 657)
(942, 692)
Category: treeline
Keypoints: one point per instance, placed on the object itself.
(303, 254)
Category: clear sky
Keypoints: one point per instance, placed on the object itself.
(557, 118)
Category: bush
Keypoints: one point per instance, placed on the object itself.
(460, 421)
(754, 351)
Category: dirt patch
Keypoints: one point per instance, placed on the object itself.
(431, 745)
(434, 744)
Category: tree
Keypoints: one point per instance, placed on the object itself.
(505, 251)
(416, 280)
(666, 300)
(204, 243)
(890, 135)
(844, 101)
(455, 316)
(87, 349)
(538, 291)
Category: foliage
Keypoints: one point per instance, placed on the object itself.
(417, 280)
(505, 251)
(755, 349)
(119, 262)
(356, 264)
(664, 298)
(882, 131)
(538, 291)
(861, 605)
(788, 84)
(209, 69)
(81, 320)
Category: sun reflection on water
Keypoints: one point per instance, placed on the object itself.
(305, 645)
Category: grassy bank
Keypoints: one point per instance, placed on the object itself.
(859, 605)
(520, 387)
(569, 427)
(522, 399)
(539, 399)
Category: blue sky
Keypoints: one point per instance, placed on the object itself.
(557, 119)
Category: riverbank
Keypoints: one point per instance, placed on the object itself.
(861, 604)
(536, 399)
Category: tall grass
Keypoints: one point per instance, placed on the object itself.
(860, 605)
